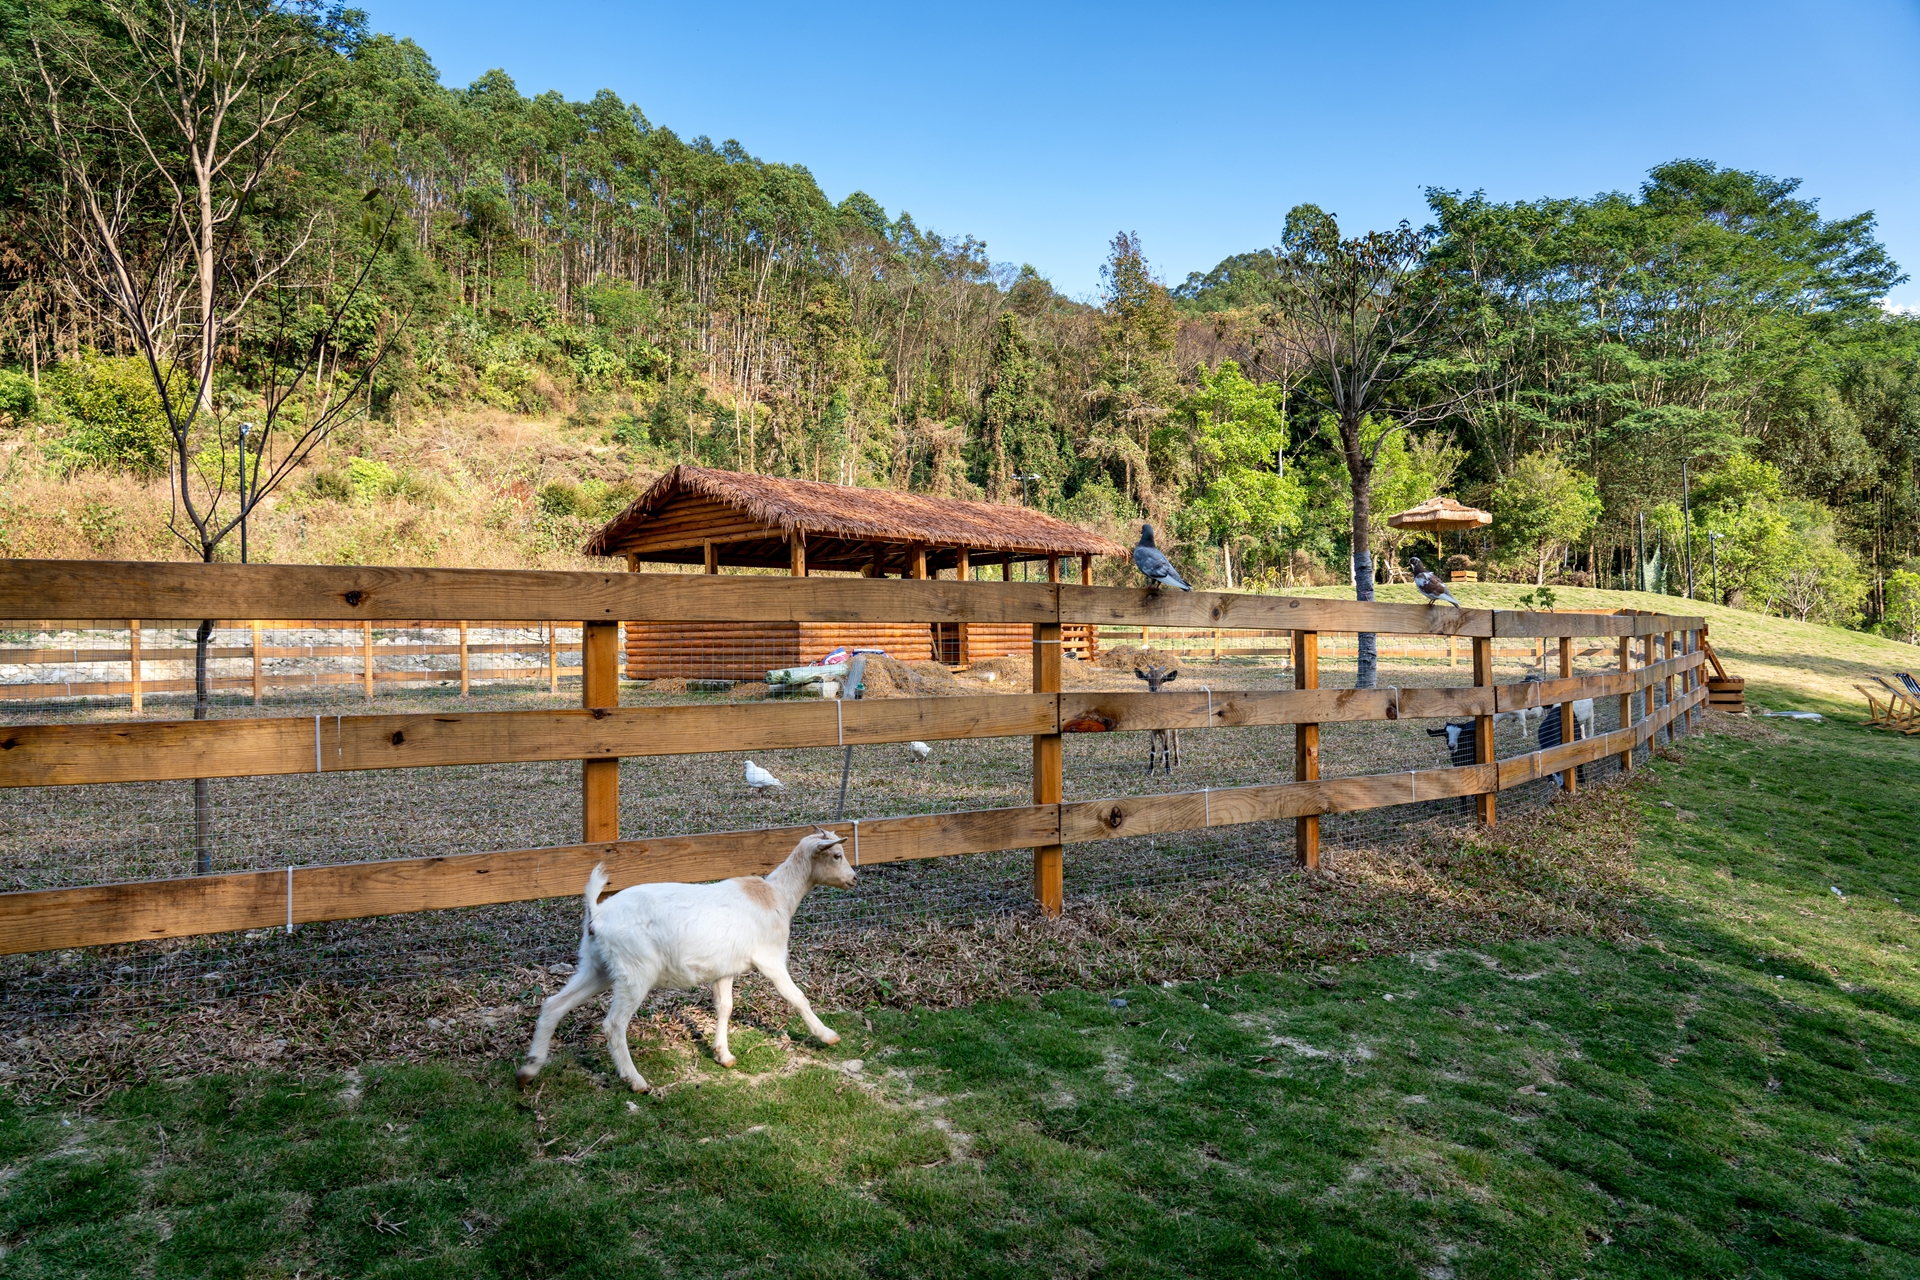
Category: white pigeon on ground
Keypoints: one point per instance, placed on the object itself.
(758, 780)
(919, 750)
(1149, 559)
(1430, 586)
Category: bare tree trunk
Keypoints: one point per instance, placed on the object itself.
(1360, 475)
(202, 804)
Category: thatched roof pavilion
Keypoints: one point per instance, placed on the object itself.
(714, 518)
(700, 515)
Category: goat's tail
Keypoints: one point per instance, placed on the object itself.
(596, 882)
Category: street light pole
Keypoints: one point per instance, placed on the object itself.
(1713, 549)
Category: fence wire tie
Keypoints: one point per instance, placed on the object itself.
(1209, 705)
(289, 897)
(1206, 806)
(840, 721)
(316, 745)
(856, 842)
(1413, 785)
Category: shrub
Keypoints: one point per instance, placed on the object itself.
(119, 423)
(18, 401)
(369, 478)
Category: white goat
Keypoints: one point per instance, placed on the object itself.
(1526, 716)
(689, 935)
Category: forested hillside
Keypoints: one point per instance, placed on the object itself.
(411, 257)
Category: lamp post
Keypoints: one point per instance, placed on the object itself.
(1713, 549)
(246, 428)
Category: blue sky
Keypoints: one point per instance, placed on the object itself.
(1043, 129)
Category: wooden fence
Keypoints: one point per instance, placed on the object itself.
(547, 651)
(1652, 650)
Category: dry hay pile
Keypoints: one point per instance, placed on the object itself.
(1126, 657)
(887, 677)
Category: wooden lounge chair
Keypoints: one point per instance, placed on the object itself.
(1903, 707)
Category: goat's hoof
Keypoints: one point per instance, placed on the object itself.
(524, 1076)
(832, 1037)
(640, 1086)
(725, 1059)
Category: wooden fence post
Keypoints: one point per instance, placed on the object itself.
(1483, 725)
(1666, 652)
(464, 680)
(133, 660)
(1626, 700)
(366, 656)
(553, 657)
(1049, 864)
(599, 687)
(1570, 779)
(258, 688)
(1306, 748)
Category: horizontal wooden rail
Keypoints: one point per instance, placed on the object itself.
(161, 593)
(94, 915)
(271, 680)
(162, 750)
(228, 653)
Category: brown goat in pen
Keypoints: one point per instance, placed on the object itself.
(1165, 741)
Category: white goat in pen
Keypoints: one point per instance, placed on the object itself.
(689, 935)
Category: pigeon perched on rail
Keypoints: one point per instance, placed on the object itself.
(1431, 587)
(758, 780)
(919, 750)
(1148, 559)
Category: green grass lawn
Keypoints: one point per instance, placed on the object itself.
(1734, 1097)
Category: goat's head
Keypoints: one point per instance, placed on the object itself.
(1156, 676)
(828, 859)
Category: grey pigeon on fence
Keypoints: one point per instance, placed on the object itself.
(1431, 587)
(1148, 559)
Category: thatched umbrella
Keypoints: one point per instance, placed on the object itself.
(1437, 516)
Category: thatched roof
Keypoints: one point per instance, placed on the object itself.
(1440, 513)
(842, 524)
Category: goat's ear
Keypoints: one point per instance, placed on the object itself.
(1168, 678)
(1139, 674)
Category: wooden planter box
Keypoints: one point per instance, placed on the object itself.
(1728, 695)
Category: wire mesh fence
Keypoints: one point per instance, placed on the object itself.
(78, 835)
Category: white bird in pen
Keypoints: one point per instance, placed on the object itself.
(758, 780)
(919, 750)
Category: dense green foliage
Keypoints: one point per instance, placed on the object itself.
(697, 302)
(1735, 1097)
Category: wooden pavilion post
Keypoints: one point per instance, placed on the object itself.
(1053, 568)
(1049, 863)
(963, 570)
(917, 561)
(133, 660)
(1570, 778)
(1086, 569)
(1626, 700)
(712, 556)
(797, 553)
(1306, 745)
(599, 688)
(1483, 725)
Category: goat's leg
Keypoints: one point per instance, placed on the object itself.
(587, 982)
(776, 973)
(1173, 755)
(628, 996)
(722, 1010)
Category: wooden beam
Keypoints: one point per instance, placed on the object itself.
(963, 570)
(1306, 745)
(161, 750)
(133, 661)
(259, 689)
(600, 689)
(366, 656)
(1049, 861)
(465, 668)
(1626, 699)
